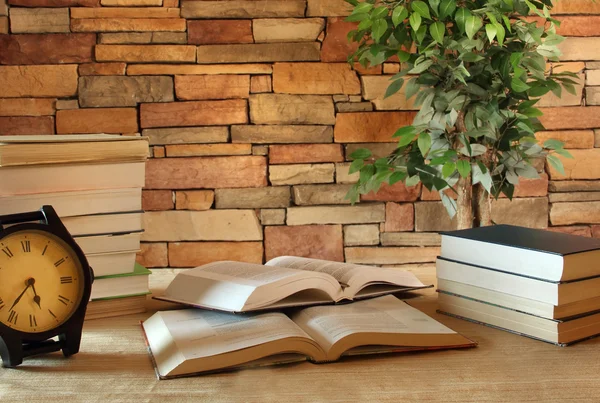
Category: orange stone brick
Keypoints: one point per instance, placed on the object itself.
(180, 69)
(145, 53)
(198, 150)
(27, 106)
(397, 192)
(194, 113)
(157, 200)
(575, 7)
(171, 3)
(305, 153)
(314, 241)
(528, 187)
(102, 69)
(46, 48)
(364, 127)
(579, 230)
(194, 199)
(209, 32)
(101, 120)
(153, 255)
(206, 172)
(579, 25)
(336, 47)
(125, 12)
(38, 81)
(128, 25)
(570, 138)
(399, 217)
(583, 165)
(212, 87)
(26, 125)
(261, 84)
(315, 78)
(192, 254)
(54, 3)
(572, 117)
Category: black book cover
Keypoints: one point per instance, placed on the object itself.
(529, 238)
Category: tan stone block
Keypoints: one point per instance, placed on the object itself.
(391, 255)
(345, 107)
(596, 138)
(328, 8)
(212, 87)
(132, 3)
(583, 165)
(300, 174)
(291, 109)
(20, 125)
(259, 134)
(342, 174)
(579, 230)
(3, 25)
(396, 192)
(370, 126)
(571, 117)
(592, 96)
(399, 217)
(210, 225)
(153, 255)
(169, 37)
(592, 77)
(102, 69)
(261, 84)
(102, 120)
(192, 254)
(187, 135)
(378, 150)
(180, 69)
(273, 216)
(268, 197)
(575, 213)
(194, 199)
(143, 37)
(574, 25)
(573, 197)
(342, 98)
(27, 106)
(374, 89)
(315, 78)
(102, 91)
(157, 200)
(158, 152)
(287, 29)
(210, 32)
(39, 20)
(575, 7)
(170, 3)
(580, 49)
(243, 9)
(63, 104)
(309, 195)
(574, 186)
(570, 138)
(336, 47)
(313, 241)
(567, 99)
(359, 235)
(145, 53)
(305, 153)
(206, 172)
(3, 7)
(391, 68)
(259, 53)
(124, 12)
(411, 239)
(358, 214)
(38, 81)
(194, 113)
(128, 24)
(198, 150)
(260, 150)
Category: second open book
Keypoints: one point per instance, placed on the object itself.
(285, 281)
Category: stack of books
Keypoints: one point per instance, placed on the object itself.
(540, 284)
(94, 182)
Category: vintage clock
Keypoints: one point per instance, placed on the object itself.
(45, 285)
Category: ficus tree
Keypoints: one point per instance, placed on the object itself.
(476, 69)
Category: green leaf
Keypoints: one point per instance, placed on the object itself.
(491, 32)
(403, 56)
(435, 4)
(356, 166)
(448, 169)
(472, 25)
(556, 163)
(361, 154)
(570, 88)
(397, 177)
(421, 67)
(518, 85)
(394, 88)
(357, 17)
(479, 176)
(399, 14)
(415, 21)
(563, 152)
(463, 167)
(500, 33)
(412, 87)
(450, 204)
(437, 31)
(362, 8)
(424, 143)
(461, 18)
(447, 8)
(403, 131)
(379, 29)
(421, 7)
(379, 12)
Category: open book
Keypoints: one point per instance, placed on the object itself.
(191, 341)
(285, 281)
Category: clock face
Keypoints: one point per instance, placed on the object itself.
(41, 281)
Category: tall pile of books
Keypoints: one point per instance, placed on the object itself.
(94, 182)
(541, 284)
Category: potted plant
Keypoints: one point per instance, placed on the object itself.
(477, 69)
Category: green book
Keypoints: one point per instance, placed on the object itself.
(121, 285)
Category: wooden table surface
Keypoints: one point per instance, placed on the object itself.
(113, 365)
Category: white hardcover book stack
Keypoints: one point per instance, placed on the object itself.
(537, 283)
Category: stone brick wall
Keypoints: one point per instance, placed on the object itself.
(252, 112)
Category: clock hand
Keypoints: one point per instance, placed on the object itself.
(36, 297)
(21, 296)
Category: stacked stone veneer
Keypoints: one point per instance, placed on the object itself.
(252, 112)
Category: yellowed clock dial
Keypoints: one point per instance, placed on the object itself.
(41, 281)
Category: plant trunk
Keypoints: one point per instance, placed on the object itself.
(483, 206)
(464, 202)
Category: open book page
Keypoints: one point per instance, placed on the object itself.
(238, 286)
(194, 340)
(357, 280)
(384, 321)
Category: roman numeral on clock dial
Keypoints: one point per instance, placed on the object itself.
(59, 262)
(32, 321)
(26, 245)
(13, 317)
(66, 280)
(7, 252)
(1, 304)
(63, 300)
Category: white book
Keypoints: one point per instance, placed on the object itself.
(109, 243)
(106, 264)
(121, 285)
(104, 223)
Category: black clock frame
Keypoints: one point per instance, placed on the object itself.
(16, 345)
